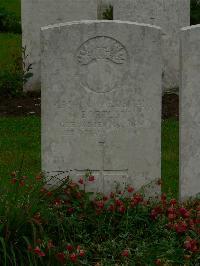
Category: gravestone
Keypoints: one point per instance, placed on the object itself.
(171, 16)
(190, 112)
(38, 13)
(101, 102)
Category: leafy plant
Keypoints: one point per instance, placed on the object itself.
(66, 225)
(14, 76)
(195, 12)
(108, 13)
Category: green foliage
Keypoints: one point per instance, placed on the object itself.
(20, 138)
(13, 6)
(10, 44)
(170, 156)
(108, 13)
(67, 225)
(195, 12)
(14, 76)
(9, 22)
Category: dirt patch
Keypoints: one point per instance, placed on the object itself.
(21, 106)
(31, 105)
(170, 106)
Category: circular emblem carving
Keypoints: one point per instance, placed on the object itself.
(102, 63)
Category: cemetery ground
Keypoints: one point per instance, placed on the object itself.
(65, 227)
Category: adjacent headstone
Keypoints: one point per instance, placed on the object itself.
(101, 102)
(171, 16)
(38, 13)
(190, 112)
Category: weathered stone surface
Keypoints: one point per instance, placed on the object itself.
(101, 102)
(39, 13)
(171, 16)
(190, 112)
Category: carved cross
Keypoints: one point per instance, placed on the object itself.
(102, 171)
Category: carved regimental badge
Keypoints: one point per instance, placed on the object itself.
(103, 62)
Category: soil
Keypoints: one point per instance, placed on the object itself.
(31, 105)
(170, 106)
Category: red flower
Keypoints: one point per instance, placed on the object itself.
(171, 210)
(118, 202)
(130, 189)
(100, 204)
(81, 181)
(154, 214)
(191, 244)
(125, 253)
(111, 208)
(105, 198)
(61, 257)
(173, 202)
(184, 213)
(50, 244)
(21, 183)
(38, 251)
(73, 257)
(180, 227)
(24, 177)
(81, 253)
(171, 216)
(49, 193)
(70, 210)
(57, 202)
(69, 247)
(122, 209)
(158, 262)
(138, 197)
(14, 180)
(191, 223)
(91, 178)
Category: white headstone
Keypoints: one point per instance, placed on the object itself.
(171, 16)
(101, 101)
(39, 13)
(190, 112)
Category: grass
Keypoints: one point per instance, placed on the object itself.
(13, 6)
(10, 44)
(170, 156)
(10, 47)
(21, 137)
